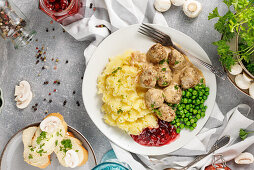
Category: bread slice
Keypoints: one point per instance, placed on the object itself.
(44, 142)
(30, 156)
(76, 146)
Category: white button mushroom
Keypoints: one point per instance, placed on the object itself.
(241, 82)
(251, 90)
(192, 8)
(162, 5)
(177, 2)
(236, 69)
(244, 158)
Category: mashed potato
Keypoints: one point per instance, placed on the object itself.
(124, 104)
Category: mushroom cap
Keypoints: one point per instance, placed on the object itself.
(177, 2)
(236, 69)
(244, 158)
(251, 90)
(241, 82)
(192, 8)
(247, 77)
(162, 5)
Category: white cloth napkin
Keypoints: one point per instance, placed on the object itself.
(216, 127)
(115, 14)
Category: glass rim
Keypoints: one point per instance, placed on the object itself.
(105, 163)
(64, 12)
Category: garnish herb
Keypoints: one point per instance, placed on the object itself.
(42, 145)
(76, 150)
(176, 62)
(157, 112)
(243, 134)
(162, 61)
(239, 23)
(165, 83)
(30, 156)
(163, 69)
(152, 105)
(67, 145)
(202, 81)
(115, 71)
(119, 111)
(41, 151)
(56, 142)
(176, 87)
(41, 137)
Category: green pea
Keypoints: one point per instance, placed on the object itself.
(178, 130)
(178, 124)
(194, 101)
(191, 128)
(203, 91)
(196, 87)
(181, 119)
(198, 116)
(177, 120)
(182, 126)
(187, 114)
(187, 107)
(185, 111)
(202, 114)
(183, 93)
(203, 86)
(197, 107)
(207, 93)
(205, 107)
(199, 111)
(200, 94)
(183, 115)
(200, 97)
(180, 108)
(188, 94)
(198, 101)
(204, 97)
(189, 101)
(183, 105)
(194, 125)
(190, 117)
(185, 100)
(195, 120)
(190, 90)
(195, 111)
(194, 92)
(191, 106)
(187, 127)
(192, 121)
(182, 100)
(191, 110)
(188, 123)
(173, 122)
(185, 119)
(207, 89)
(193, 97)
(202, 101)
(201, 106)
(181, 112)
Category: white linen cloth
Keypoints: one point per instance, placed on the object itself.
(115, 14)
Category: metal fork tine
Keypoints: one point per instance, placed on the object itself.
(152, 31)
(156, 30)
(151, 36)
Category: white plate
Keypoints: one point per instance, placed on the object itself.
(117, 43)
(12, 156)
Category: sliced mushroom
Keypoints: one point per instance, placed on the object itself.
(166, 113)
(192, 8)
(162, 5)
(241, 82)
(154, 98)
(172, 94)
(247, 77)
(236, 69)
(156, 54)
(177, 2)
(148, 78)
(244, 158)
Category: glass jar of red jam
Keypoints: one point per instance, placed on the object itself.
(63, 11)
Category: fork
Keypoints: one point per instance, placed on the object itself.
(164, 39)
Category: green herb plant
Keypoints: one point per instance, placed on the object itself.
(238, 21)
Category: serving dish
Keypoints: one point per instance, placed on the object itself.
(117, 43)
(12, 155)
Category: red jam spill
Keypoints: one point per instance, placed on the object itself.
(162, 135)
(57, 5)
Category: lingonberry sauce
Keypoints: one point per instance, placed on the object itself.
(162, 135)
(57, 5)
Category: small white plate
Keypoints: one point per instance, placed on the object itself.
(117, 43)
(12, 156)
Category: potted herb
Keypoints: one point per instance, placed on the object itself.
(238, 24)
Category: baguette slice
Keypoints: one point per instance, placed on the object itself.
(76, 148)
(44, 142)
(30, 156)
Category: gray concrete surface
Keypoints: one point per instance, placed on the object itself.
(19, 65)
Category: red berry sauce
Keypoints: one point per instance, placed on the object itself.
(57, 5)
(162, 135)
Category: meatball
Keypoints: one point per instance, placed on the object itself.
(189, 78)
(176, 59)
(154, 98)
(148, 77)
(164, 75)
(156, 54)
(166, 113)
(172, 94)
